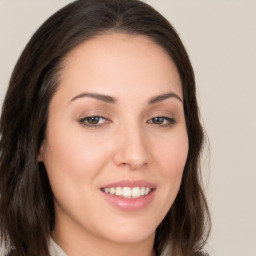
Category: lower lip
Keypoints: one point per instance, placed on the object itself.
(129, 204)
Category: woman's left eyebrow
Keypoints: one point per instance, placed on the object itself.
(165, 96)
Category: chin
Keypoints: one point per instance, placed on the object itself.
(131, 238)
(130, 233)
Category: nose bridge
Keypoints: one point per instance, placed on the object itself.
(132, 146)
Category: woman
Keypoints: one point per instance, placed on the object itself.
(101, 138)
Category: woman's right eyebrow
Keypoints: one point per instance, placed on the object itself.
(97, 96)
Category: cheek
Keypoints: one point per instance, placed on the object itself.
(171, 157)
(75, 155)
(172, 154)
(73, 162)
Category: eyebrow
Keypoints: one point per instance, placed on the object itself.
(164, 97)
(110, 99)
(96, 96)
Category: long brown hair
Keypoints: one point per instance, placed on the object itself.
(26, 203)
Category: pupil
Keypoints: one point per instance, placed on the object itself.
(93, 120)
(158, 120)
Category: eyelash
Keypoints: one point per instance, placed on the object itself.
(85, 121)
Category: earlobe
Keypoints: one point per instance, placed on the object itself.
(40, 157)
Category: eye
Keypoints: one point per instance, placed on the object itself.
(163, 121)
(93, 121)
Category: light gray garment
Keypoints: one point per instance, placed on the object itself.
(2, 250)
(55, 250)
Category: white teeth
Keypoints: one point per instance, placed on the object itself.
(112, 191)
(135, 192)
(118, 191)
(142, 191)
(107, 190)
(128, 192)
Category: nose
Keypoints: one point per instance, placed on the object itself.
(132, 149)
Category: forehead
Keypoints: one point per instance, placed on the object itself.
(115, 62)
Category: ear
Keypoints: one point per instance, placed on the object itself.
(40, 157)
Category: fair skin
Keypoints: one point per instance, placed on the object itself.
(132, 138)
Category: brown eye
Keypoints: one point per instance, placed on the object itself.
(93, 121)
(162, 121)
(158, 120)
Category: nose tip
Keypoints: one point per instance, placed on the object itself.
(133, 162)
(132, 152)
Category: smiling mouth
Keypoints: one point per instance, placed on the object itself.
(128, 192)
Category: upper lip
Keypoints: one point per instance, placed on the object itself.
(131, 184)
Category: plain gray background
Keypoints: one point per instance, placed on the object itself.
(220, 37)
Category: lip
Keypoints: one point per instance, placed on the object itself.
(129, 204)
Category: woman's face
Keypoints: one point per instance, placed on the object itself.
(116, 141)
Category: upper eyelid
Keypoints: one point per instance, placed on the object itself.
(164, 114)
(91, 113)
